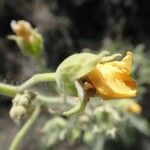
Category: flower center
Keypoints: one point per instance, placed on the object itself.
(89, 89)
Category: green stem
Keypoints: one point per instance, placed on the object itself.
(21, 134)
(47, 100)
(83, 99)
(8, 90)
(39, 62)
(77, 109)
(98, 142)
(37, 78)
(56, 100)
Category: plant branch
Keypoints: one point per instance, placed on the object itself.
(8, 90)
(37, 78)
(83, 99)
(11, 90)
(21, 134)
(55, 100)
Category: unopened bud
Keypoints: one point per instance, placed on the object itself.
(28, 39)
(22, 29)
(16, 113)
(24, 101)
(22, 104)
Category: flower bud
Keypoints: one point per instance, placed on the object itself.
(24, 101)
(22, 104)
(16, 113)
(29, 40)
(20, 100)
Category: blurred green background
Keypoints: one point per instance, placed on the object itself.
(69, 26)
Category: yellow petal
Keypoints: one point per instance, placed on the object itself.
(135, 108)
(22, 28)
(125, 64)
(112, 80)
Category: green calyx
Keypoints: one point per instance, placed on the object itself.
(75, 67)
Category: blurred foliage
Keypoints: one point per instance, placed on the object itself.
(102, 123)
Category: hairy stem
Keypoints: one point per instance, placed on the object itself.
(8, 90)
(21, 134)
(83, 99)
(55, 100)
(37, 78)
(77, 109)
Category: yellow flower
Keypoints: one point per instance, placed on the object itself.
(23, 29)
(134, 108)
(112, 79)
